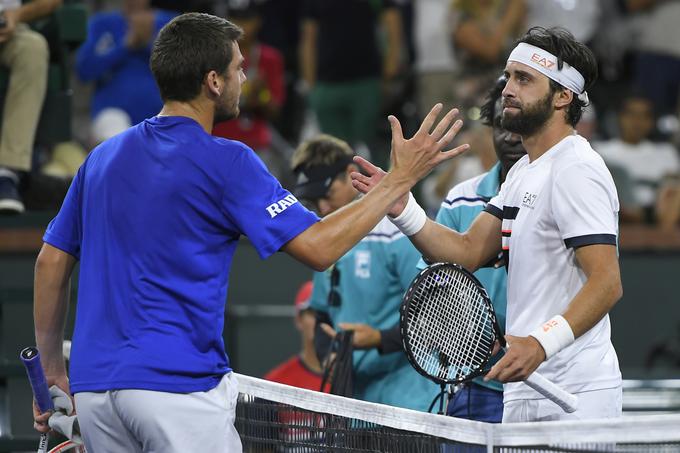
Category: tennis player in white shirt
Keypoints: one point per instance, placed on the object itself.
(556, 222)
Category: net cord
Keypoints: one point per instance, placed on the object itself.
(629, 429)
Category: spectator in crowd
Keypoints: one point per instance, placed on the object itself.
(281, 30)
(633, 156)
(483, 34)
(580, 17)
(656, 71)
(341, 63)
(262, 94)
(25, 53)
(434, 63)
(668, 204)
(366, 284)
(116, 57)
(303, 369)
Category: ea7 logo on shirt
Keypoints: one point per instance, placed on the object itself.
(529, 200)
(277, 208)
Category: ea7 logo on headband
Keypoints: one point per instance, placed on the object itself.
(536, 58)
(277, 208)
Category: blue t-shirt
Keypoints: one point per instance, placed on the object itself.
(154, 215)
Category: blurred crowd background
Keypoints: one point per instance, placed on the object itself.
(340, 67)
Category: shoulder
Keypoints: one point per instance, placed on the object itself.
(231, 150)
(281, 370)
(465, 193)
(577, 154)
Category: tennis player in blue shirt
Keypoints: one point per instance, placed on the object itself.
(153, 216)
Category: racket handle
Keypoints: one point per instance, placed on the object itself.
(31, 358)
(564, 399)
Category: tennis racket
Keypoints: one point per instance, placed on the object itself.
(449, 328)
(41, 393)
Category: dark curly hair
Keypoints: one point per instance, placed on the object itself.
(561, 43)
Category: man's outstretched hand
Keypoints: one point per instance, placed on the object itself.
(413, 158)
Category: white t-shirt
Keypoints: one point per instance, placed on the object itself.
(647, 163)
(564, 199)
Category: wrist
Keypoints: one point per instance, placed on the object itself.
(554, 335)
(412, 219)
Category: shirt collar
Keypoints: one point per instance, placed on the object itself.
(490, 184)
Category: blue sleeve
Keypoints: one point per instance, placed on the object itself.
(65, 230)
(320, 287)
(257, 204)
(103, 49)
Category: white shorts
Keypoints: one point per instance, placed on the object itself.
(147, 421)
(605, 403)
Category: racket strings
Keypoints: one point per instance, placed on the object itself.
(451, 328)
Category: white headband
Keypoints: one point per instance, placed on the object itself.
(546, 63)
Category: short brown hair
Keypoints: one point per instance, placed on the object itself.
(323, 149)
(189, 47)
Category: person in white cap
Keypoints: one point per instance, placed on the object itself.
(556, 222)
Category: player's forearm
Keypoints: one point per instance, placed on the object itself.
(50, 306)
(325, 242)
(472, 249)
(597, 297)
(439, 243)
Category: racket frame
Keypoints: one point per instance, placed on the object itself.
(404, 322)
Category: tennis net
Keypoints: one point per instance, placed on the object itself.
(272, 417)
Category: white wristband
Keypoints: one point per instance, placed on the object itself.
(412, 219)
(554, 335)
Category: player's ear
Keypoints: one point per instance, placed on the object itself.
(213, 84)
(563, 98)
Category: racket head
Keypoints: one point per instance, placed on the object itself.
(448, 325)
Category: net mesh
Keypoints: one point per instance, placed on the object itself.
(449, 327)
(272, 417)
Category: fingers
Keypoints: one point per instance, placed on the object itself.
(397, 134)
(361, 187)
(328, 330)
(356, 176)
(444, 124)
(452, 132)
(446, 155)
(40, 421)
(427, 123)
(366, 166)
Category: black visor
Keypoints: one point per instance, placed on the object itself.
(313, 182)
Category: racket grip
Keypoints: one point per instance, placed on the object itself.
(31, 359)
(564, 399)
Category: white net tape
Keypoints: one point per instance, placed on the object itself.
(579, 435)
